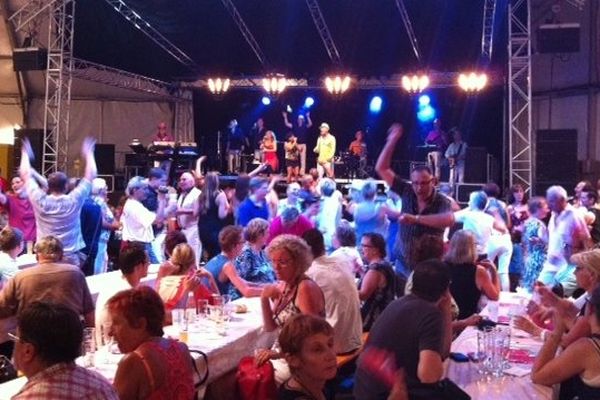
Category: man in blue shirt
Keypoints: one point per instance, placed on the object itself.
(255, 205)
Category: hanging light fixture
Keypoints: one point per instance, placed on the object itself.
(415, 83)
(274, 84)
(218, 86)
(472, 82)
(337, 84)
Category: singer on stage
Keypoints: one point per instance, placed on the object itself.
(269, 148)
(325, 148)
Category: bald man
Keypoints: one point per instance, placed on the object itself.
(186, 213)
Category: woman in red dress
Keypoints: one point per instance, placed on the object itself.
(269, 148)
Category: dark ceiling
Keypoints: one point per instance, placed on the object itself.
(369, 34)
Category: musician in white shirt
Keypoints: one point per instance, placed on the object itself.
(456, 154)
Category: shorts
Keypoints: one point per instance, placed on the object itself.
(292, 163)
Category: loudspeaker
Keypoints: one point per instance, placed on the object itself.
(556, 158)
(30, 59)
(36, 138)
(476, 165)
(558, 38)
(105, 158)
(463, 190)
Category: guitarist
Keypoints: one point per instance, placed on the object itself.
(455, 154)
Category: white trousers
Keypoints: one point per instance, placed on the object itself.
(500, 246)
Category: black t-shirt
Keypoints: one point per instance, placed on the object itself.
(301, 132)
(406, 327)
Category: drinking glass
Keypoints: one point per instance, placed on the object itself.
(482, 348)
(178, 317)
(89, 346)
(202, 307)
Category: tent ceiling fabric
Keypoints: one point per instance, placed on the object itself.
(369, 35)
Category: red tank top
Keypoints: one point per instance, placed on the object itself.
(178, 382)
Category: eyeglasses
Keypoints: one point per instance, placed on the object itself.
(422, 183)
(14, 337)
(282, 261)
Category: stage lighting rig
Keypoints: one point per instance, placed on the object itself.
(472, 82)
(415, 83)
(337, 84)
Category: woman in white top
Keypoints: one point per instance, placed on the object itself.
(136, 219)
(11, 245)
(577, 367)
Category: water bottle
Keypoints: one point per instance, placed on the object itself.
(190, 309)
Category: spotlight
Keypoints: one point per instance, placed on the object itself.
(308, 102)
(415, 83)
(375, 104)
(266, 100)
(426, 113)
(274, 84)
(337, 84)
(472, 82)
(424, 100)
(218, 86)
(288, 108)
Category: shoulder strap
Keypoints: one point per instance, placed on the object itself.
(147, 368)
(595, 339)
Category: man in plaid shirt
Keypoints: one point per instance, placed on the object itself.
(47, 343)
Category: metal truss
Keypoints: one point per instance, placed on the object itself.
(143, 26)
(239, 21)
(521, 166)
(323, 29)
(58, 86)
(409, 29)
(27, 19)
(121, 79)
(579, 4)
(487, 32)
(438, 80)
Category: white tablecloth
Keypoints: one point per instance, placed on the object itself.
(477, 386)
(244, 334)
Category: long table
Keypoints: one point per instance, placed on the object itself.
(244, 334)
(488, 387)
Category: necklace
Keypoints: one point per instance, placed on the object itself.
(307, 390)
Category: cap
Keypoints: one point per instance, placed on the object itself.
(324, 125)
(588, 259)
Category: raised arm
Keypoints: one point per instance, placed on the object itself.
(286, 121)
(26, 157)
(308, 120)
(87, 152)
(384, 162)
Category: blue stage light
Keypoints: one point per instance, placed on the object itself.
(424, 100)
(308, 102)
(375, 104)
(426, 113)
(266, 101)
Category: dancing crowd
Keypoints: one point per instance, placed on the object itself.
(391, 273)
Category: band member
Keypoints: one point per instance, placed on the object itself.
(301, 132)
(269, 149)
(439, 139)
(456, 154)
(256, 136)
(358, 147)
(292, 157)
(325, 148)
(161, 134)
(357, 162)
(235, 144)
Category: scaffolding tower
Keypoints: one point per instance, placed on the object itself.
(521, 169)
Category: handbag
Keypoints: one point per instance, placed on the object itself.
(255, 382)
(8, 372)
(201, 378)
(442, 390)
